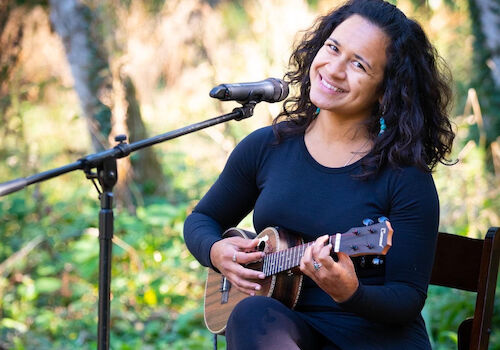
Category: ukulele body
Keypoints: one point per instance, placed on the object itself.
(221, 297)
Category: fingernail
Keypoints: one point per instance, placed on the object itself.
(252, 294)
(257, 287)
(262, 276)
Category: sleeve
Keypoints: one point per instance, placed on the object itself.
(414, 216)
(229, 199)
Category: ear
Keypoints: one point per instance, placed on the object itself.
(381, 106)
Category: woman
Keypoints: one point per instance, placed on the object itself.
(359, 141)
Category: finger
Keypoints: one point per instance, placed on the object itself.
(238, 241)
(249, 273)
(318, 245)
(249, 291)
(324, 256)
(246, 258)
(248, 243)
(247, 286)
(242, 244)
(306, 261)
(344, 259)
(307, 257)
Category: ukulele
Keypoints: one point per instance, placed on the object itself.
(283, 252)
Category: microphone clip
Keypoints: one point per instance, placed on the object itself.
(245, 111)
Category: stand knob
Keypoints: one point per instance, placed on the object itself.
(120, 138)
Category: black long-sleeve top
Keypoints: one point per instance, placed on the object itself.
(286, 187)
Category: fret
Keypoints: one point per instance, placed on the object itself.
(273, 264)
(280, 259)
(267, 272)
(287, 265)
(283, 260)
(289, 258)
(276, 263)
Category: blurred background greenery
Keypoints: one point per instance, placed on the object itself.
(75, 73)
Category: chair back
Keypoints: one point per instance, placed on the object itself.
(470, 264)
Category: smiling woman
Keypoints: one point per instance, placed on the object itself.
(358, 141)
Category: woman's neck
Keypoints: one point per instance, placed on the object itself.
(335, 142)
(329, 128)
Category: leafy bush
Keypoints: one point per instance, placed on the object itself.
(49, 292)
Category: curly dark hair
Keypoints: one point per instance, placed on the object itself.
(415, 90)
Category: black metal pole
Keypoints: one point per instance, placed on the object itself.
(108, 176)
(105, 256)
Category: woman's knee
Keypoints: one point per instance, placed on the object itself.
(265, 323)
(251, 310)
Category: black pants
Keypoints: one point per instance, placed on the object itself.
(261, 323)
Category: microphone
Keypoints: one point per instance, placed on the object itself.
(269, 90)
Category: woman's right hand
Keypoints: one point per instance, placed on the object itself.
(229, 254)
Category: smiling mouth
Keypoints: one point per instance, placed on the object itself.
(330, 87)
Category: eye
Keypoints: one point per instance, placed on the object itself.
(332, 47)
(357, 64)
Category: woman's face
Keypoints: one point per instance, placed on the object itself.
(348, 70)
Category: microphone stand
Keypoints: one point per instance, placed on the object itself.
(106, 173)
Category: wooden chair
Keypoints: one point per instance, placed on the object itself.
(470, 264)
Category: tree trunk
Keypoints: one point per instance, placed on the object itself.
(11, 35)
(485, 18)
(489, 15)
(72, 21)
(147, 169)
(95, 82)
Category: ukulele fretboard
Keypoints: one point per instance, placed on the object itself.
(284, 259)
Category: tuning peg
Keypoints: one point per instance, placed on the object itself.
(382, 219)
(368, 222)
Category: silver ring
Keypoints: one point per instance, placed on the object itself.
(234, 257)
(316, 265)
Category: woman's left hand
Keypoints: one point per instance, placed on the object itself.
(338, 279)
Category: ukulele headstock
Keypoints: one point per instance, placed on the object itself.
(375, 239)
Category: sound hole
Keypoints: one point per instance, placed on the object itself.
(261, 246)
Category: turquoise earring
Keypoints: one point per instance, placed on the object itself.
(382, 126)
(317, 112)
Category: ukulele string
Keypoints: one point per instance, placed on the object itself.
(283, 260)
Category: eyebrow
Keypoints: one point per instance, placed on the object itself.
(355, 55)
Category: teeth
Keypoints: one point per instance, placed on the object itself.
(331, 87)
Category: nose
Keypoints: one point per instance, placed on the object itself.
(337, 68)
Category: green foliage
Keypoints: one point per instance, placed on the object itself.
(235, 18)
(44, 3)
(444, 311)
(49, 295)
